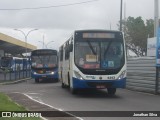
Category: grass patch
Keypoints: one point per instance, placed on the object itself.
(7, 105)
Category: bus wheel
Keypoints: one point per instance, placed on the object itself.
(36, 80)
(111, 91)
(63, 85)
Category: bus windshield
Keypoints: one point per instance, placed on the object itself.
(43, 61)
(96, 54)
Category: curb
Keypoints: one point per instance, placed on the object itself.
(14, 82)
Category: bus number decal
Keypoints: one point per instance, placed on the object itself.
(111, 77)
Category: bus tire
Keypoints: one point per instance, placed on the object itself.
(61, 75)
(69, 82)
(36, 80)
(63, 85)
(111, 91)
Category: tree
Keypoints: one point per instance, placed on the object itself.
(150, 27)
(136, 33)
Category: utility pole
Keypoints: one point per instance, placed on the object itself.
(156, 17)
(156, 26)
(43, 41)
(121, 15)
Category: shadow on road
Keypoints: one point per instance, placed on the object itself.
(47, 81)
(94, 93)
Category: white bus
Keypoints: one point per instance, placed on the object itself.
(93, 59)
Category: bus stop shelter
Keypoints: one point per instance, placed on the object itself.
(14, 46)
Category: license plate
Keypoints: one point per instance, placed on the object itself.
(44, 76)
(100, 86)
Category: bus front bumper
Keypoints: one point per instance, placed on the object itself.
(99, 84)
(44, 76)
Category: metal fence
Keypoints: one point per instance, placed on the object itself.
(141, 75)
(20, 71)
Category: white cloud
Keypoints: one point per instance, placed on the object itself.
(58, 23)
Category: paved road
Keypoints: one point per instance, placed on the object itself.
(54, 95)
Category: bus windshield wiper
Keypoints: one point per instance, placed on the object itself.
(109, 44)
(91, 47)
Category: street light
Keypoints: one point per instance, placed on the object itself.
(42, 43)
(45, 44)
(156, 17)
(25, 36)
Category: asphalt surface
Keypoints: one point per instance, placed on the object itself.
(34, 105)
(51, 94)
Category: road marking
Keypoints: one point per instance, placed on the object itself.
(34, 96)
(59, 109)
(32, 93)
(31, 99)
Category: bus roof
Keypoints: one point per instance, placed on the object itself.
(43, 51)
(96, 30)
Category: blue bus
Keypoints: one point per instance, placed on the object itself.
(44, 65)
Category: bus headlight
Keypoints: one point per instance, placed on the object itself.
(122, 75)
(78, 75)
(52, 72)
(34, 73)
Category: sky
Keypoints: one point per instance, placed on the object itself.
(57, 23)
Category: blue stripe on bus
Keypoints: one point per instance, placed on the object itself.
(77, 83)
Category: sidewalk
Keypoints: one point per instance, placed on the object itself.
(5, 82)
(32, 105)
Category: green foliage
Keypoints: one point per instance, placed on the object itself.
(150, 27)
(136, 33)
(8, 105)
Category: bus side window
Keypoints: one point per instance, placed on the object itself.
(61, 54)
(67, 52)
(68, 49)
(71, 47)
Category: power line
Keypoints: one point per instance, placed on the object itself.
(54, 6)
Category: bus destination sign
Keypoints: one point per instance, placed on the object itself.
(98, 35)
(43, 52)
